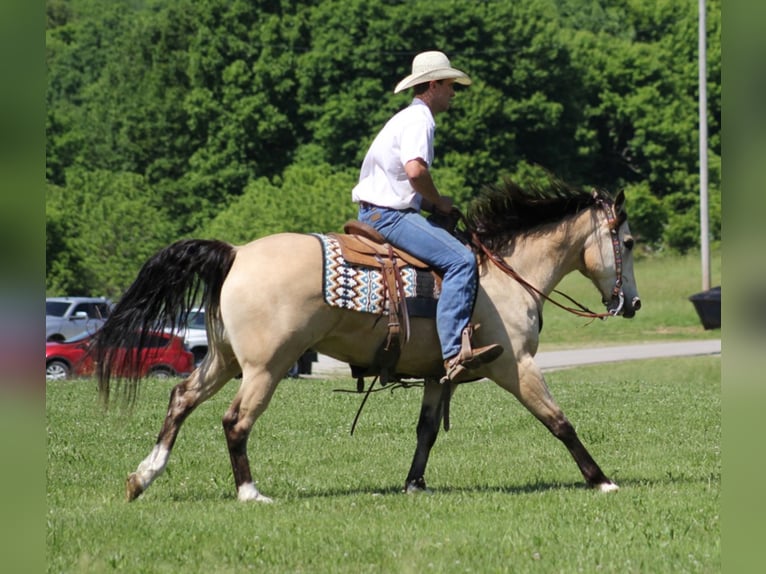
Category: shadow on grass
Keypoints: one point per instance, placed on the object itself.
(478, 489)
(206, 495)
(518, 489)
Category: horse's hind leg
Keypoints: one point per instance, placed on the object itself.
(202, 384)
(258, 385)
(431, 414)
(534, 395)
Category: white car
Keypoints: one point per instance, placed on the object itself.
(194, 334)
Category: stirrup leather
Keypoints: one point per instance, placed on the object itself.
(469, 358)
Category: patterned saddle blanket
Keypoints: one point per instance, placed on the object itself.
(362, 288)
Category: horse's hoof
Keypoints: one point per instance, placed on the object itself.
(248, 493)
(608, 486)
(416, 486)
(133, 487)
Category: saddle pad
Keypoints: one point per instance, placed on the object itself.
(362, 288)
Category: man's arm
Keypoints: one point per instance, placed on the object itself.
(420, 178)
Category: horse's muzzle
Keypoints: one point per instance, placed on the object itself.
(618, 306)
(630, 309)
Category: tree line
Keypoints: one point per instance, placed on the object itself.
(238, 118)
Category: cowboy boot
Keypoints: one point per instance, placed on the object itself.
(469, 358)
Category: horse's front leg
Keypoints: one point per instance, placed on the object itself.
(431, 413)
(535, 396)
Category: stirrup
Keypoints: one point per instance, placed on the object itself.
(469, 358)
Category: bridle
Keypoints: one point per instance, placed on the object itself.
(618, 297)
(614, 232)
(617, 294)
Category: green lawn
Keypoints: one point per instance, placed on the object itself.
(507, 496)
(664, 283)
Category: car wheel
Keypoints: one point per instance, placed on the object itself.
(56, 370)
(161, 373)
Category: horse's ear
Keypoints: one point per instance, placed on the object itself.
(619, 201)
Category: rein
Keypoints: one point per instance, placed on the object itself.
(500, 263)
(583, 311)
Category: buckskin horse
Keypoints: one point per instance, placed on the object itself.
(265, 306)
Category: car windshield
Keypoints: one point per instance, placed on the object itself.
(56, 308)
(197, 320)
(194, 320)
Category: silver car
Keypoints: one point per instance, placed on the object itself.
(69, 316)
(194, 334)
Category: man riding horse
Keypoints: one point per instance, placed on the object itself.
(395, 184)
(259, 323)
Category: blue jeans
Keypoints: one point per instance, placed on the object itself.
(409, 230)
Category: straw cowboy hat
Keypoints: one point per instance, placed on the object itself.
(428, 66)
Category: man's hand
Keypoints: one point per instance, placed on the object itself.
(420, 179)
(444, 205)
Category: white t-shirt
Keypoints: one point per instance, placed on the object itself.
(406, 136)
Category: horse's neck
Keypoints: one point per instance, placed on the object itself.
(544, 257)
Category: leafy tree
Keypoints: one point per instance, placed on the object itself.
(213, 109)
(682, 231)
(646, 215)
(107, 226)
(61, 265)
(308, 198)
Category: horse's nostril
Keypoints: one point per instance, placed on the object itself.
(636, 303)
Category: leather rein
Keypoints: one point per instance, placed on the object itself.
(582, 310)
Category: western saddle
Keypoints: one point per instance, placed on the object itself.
(362, 244)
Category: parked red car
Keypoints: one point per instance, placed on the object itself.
(165, 357)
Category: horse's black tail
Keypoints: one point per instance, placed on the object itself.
(187, 273)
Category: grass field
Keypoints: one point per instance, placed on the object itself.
(664, 283)
(507, 496)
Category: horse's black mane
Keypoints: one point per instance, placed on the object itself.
(501, 212)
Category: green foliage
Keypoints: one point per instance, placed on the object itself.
(683, 229)
(647, 216)
(665, 281)
(107, 226)
(306, 199)
(209, 100)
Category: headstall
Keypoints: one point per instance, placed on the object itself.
(582, 310)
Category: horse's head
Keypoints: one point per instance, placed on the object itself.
(608, 257)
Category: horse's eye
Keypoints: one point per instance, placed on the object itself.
(628, 243)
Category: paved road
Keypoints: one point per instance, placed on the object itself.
(327, 366)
